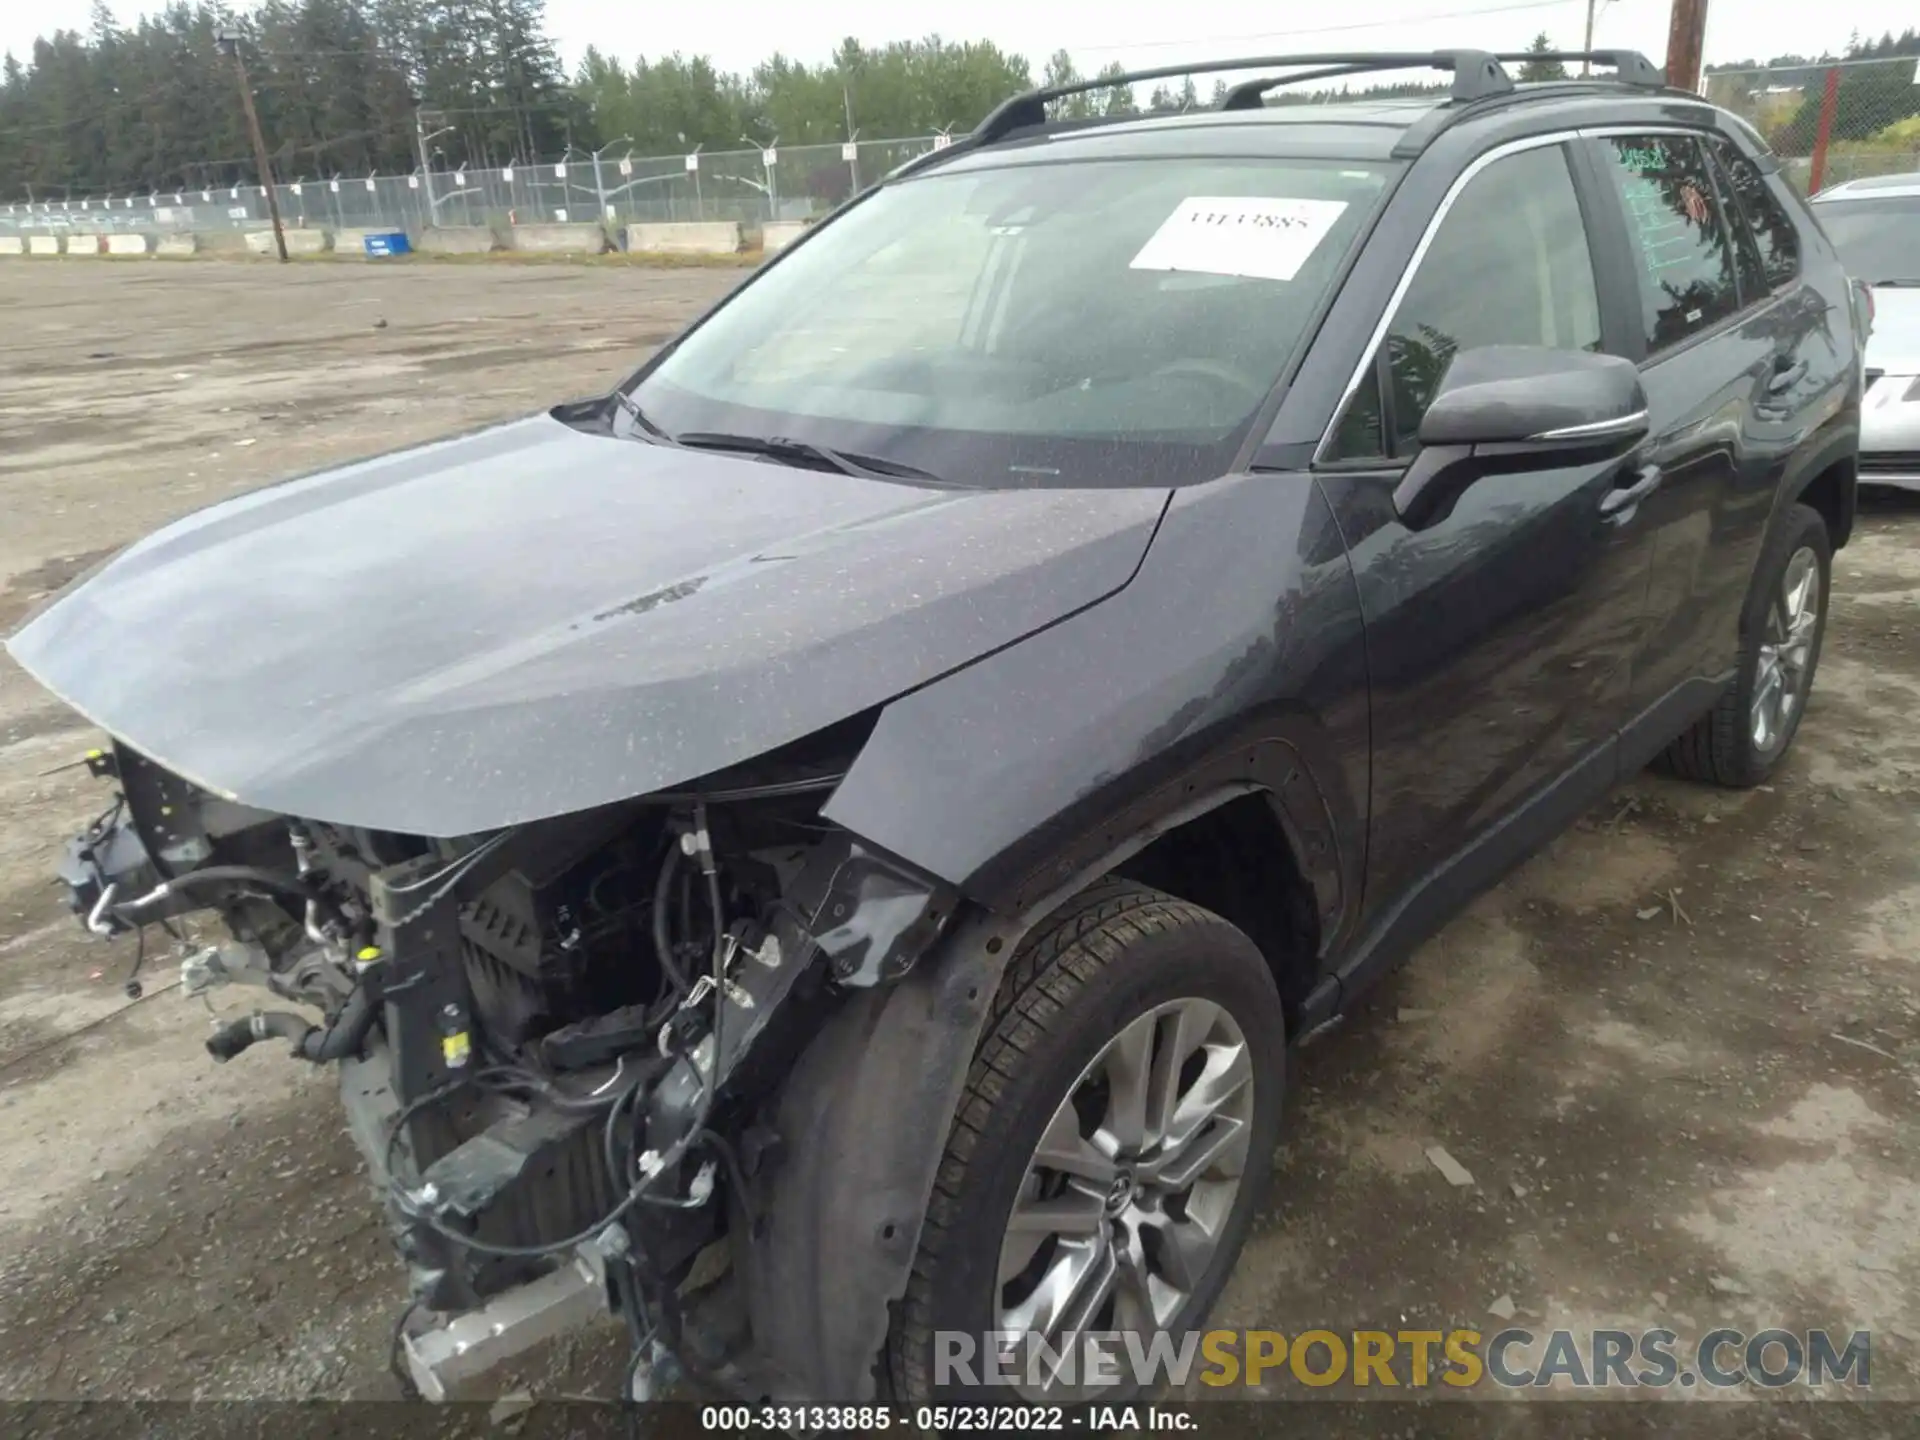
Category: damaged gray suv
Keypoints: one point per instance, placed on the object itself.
(833, 842)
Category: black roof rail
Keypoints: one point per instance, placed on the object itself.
(1476, 75)
(1630, 67)
(1251, 94)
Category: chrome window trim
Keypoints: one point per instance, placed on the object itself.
(1596, 132)
(1465, 178)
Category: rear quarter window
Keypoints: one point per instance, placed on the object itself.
(1773, 229)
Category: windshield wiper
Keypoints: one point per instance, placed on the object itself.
(777, 447)
(627, 403)
(1893, 284)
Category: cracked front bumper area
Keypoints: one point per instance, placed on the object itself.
(563, 1047)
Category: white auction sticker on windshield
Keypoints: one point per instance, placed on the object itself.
(1251, 235)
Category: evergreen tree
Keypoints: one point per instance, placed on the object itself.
(1542, 69)
(150, 106)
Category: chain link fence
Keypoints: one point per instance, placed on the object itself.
(1830, 123)
(615, 189)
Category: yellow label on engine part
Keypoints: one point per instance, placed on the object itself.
(455, 1049)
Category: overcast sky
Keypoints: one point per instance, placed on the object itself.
(1097, 31)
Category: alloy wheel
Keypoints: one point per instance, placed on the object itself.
(1781, 676)
(1128, 1193)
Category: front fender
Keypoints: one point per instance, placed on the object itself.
(863, 1119)
(1236, 655)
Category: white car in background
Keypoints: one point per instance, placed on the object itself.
(1875, 224)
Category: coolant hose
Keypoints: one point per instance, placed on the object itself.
(320, 1044)
(236, 1035)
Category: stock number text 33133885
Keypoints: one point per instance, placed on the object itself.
(992, 1419)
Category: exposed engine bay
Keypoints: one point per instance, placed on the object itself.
(556, 1041)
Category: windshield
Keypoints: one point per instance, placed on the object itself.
(1082, 323)
(1878, 240)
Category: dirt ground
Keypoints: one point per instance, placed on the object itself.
(1679, 1052)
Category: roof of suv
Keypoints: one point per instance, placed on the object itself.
(1360, 129)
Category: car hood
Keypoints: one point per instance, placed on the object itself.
(1895, 343)
(534, 620)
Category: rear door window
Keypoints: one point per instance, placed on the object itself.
(1746, 245)
(1682, 252)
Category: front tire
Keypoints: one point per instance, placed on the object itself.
(1739, 742)
(1110, 1149)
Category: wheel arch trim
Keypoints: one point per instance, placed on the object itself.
(865, 1114)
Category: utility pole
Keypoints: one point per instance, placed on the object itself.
(1586, 66)
(229, 41)
(420, 139)
(1685, 33)
(853, 135)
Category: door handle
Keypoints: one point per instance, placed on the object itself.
(1620, 502)
(1786, 375)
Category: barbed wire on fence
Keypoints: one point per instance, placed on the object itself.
(752, 187)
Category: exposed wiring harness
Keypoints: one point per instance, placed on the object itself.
(642, 1173)
(662, 937)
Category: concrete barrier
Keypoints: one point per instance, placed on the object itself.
(778, 234)
(560, 239)
(129, 244)
(299, 242)
(13, 244)
(177, 245)
(701, 237)
(457, 240)
(84, 244)
(43, 244)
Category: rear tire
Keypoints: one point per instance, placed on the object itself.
(1122, 981)
(1735, 744)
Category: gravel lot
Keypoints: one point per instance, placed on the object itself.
(1679, 1052)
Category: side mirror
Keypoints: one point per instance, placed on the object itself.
(1519, 407)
